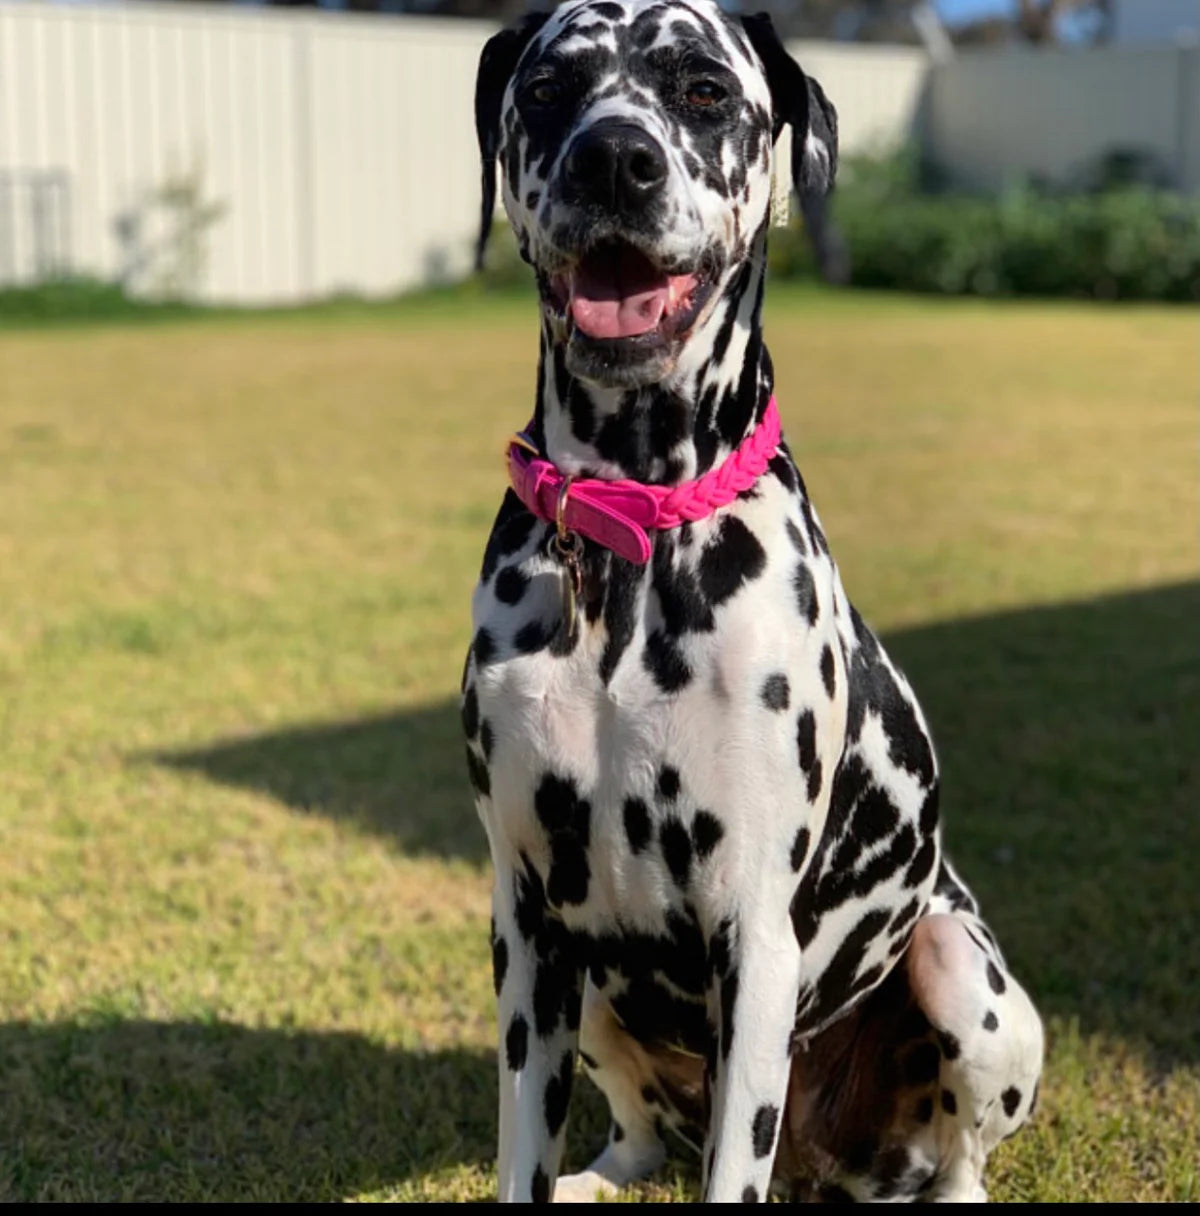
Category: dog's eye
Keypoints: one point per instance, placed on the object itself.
(704, 93)
(544, 92)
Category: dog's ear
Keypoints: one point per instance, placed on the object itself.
(798, 100)
(497, 64)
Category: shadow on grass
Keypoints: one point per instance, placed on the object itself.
(1070, 741)
(146, 1110)
(402, 775)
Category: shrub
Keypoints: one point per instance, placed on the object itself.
(1131, 242)
(77, 298)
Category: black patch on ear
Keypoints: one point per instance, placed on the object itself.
(497, 63)
(798, 100)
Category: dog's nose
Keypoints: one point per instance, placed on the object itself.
(616, 165)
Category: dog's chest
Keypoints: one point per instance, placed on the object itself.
(646, 767)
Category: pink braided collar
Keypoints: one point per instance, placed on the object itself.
(619, 514)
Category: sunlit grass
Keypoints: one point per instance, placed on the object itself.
(245, 897)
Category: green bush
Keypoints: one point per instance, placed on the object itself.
(78, 298)
(1129, 243)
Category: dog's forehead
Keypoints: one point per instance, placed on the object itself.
(581, 27)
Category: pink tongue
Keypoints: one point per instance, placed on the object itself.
(618, 294)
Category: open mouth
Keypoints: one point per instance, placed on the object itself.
(614, 292)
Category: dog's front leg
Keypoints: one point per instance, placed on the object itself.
(756, 978)
(538, 988)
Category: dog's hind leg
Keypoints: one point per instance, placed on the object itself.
(624, 1072)
(905, 1096)
(989, 1033)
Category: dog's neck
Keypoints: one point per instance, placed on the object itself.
(679, 427)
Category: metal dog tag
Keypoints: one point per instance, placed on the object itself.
(567, 548)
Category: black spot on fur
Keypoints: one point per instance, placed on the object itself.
(483, 647)
(732, 558)
(806, 739)
(668, 782)
(567, 820)
(799, 849)
(806, 592)
(905, 916)
(706, 834)
(929, 812)
(949, 1102)
(924, 1110)
(873, 685)
(796, 537)
(775, 692)
(511, 583)
(569, 874)
(839, 975)
(781, 466)
(684, 607)
(556, 988)
(481, 780)
(651, 1096)
(558, 1094)
(677, 850)
(618, 1133)
(1011, 1099)
(637, 824)
(763, 1131)
(919, 869)
(876, 816)
(828, 674)
(470, 713)
(554, 801)
(516, 1042)
(995, 979)
(539, 1187)
(815, 776)
(620, 600)
(750, 1195)
(663, 660)
(951, 1048)
(990, 1021)
(532, 637)
(588, 1062)
(499, 963)
(510, 531)
(487, 739)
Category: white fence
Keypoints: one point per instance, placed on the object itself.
(259, 156)
(325, 153)
(992, 116)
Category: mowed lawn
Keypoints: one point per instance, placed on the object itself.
(243, 928)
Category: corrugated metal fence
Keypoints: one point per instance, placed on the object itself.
(254, 156)
(267, 156)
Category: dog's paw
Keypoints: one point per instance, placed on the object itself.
(588, 1187)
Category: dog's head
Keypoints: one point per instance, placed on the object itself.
(636, 142)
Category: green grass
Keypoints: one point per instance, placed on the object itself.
(245, 895)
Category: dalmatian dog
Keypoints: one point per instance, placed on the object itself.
(711, 799)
